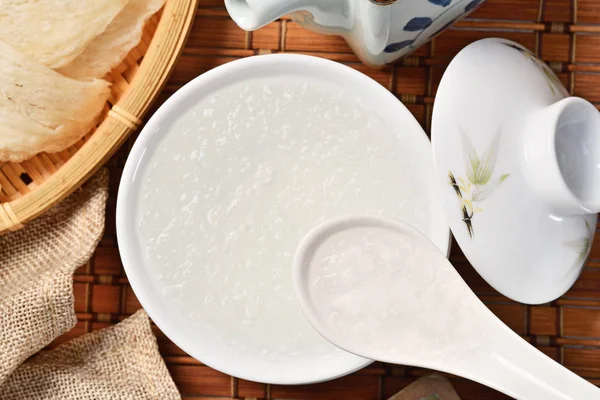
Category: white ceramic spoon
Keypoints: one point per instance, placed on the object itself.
(380, 289)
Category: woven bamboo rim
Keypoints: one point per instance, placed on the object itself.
(31, 187)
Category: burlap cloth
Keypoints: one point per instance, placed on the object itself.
(36, 305)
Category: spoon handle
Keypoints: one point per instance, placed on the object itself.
(516, 368)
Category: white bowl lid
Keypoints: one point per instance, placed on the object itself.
(508, 151)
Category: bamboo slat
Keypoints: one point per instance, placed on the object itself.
(566, 33)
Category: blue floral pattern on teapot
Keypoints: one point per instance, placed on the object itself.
(422, 24)
(378, 31)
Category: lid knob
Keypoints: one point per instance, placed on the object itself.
(562, 154)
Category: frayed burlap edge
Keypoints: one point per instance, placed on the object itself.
(36, 272)
(120, 362)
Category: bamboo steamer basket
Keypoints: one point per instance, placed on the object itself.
(31, 187)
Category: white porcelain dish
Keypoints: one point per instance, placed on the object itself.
(214, 353)
(517, 162)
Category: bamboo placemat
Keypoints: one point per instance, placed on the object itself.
(566, 33)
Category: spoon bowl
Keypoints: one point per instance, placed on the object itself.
(380, 289)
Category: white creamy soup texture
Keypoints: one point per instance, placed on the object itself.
(239, 180)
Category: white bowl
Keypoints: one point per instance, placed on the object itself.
(183, 334)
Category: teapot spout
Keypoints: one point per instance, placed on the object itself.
(253, 14)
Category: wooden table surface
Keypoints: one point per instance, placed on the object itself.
(565, 33)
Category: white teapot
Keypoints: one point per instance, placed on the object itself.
(378, 31)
